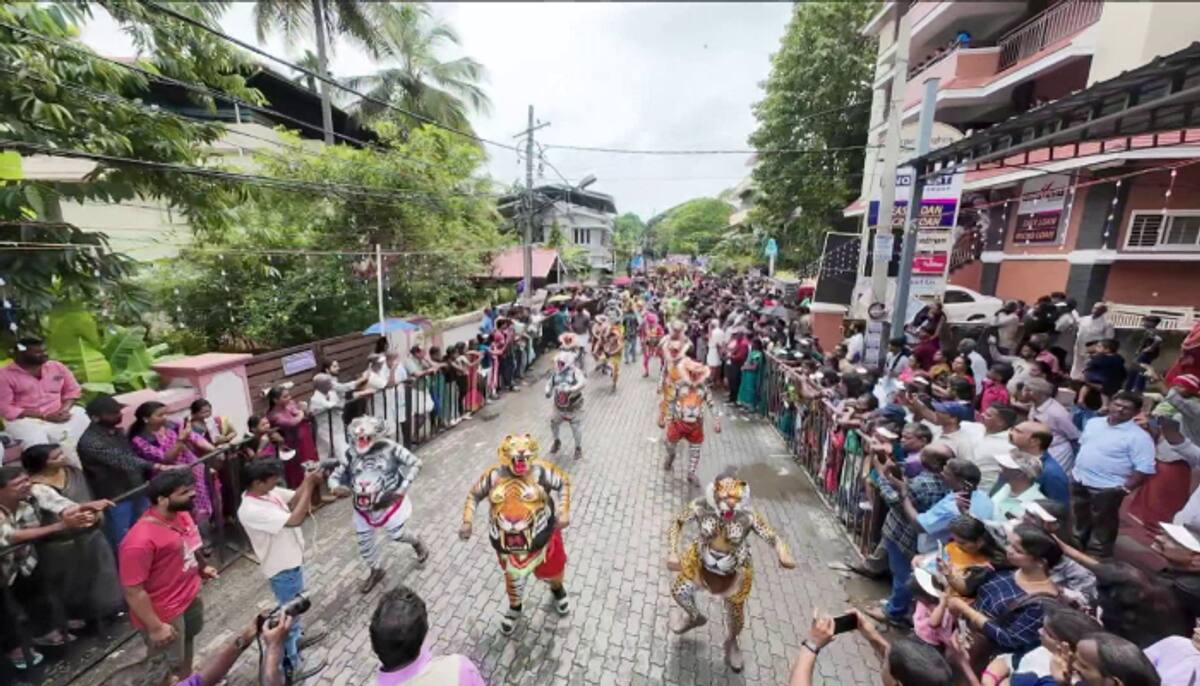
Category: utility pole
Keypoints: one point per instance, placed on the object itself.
(379, 289)
(911, 219)
(891, 155)
(323, 67)
(527, 266)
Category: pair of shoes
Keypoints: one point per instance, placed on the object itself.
(306, 669)
(372, 579)
(508, 620)
(556, 447)
(562, 605)
(311, 638)
(579, 453)
(21, 664)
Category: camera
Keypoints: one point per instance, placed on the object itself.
(296, 606)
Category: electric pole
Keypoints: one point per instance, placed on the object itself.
(323, 67)
(527, 266)
(887, 171)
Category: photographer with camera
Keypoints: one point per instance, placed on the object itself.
(271, 516)
(907, 661)
(155, 670)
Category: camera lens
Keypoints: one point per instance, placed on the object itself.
(297, 606)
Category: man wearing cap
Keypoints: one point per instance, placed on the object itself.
(1020, 472)
(1046, 409)
(112, 468)
(1179, 546)
(1115, 457)
(1185, 397)
(953, 418)
(37, 399)
(1035, 438)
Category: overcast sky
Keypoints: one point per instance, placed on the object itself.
(624, 75)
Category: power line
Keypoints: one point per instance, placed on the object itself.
(321, 77)
(267, 181)
(780, 151)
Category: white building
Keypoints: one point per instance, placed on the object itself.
(586, 219)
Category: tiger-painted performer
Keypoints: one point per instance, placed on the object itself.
(600, 328)
(685, 421)
(610, 344)
(377, 472)
(673, 353)
(570, 344)
(719, 560)
(677, 333)
(565, 388)
(651, 334)
(526, 525)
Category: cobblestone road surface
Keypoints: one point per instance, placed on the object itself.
(617, 632)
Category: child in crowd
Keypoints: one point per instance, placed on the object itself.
(264, 440)
(932, 622)
(995, 386)
(1105, 369)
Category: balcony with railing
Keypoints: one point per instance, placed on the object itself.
(979, 64)
(1057, 23)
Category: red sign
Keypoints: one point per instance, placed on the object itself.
(931, 263)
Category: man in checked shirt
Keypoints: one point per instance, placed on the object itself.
(899, 533)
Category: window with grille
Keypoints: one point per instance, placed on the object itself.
(1165, 232)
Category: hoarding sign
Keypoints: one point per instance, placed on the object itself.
(1040, 212)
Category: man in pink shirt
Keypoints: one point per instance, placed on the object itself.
(161, 569)
(398, 631)
(37, 400)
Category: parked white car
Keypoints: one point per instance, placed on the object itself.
(964, 305)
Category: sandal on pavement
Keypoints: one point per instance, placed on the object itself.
(19, 662)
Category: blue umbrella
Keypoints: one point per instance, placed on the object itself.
(391, 324)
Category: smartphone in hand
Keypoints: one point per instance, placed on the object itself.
(844, 623)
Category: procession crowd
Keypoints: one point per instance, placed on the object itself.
(1002, 469)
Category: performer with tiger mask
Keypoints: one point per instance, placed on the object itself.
(608, 343)
(651, 334)
(673, 353)
(526, 525)
(719, 560)
(565, 388)
(690, 397)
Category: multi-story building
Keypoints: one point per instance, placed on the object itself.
(585, 218)
(1135, 243)
(150, 228)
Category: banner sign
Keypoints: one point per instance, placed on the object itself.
(932, 263)
(939, 200)
(1039, 214)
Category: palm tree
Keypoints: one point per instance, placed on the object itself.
(355, 19)
(419, 81)
(311, 62)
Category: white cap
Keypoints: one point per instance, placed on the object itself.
(1006, 460)
(286, 454)
(1181, 535)
(925, 581)
(1040, 512)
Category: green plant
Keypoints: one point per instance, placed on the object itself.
(117, 362)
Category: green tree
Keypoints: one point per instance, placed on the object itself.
(823, 64)
(62, 97)
(445, 221)
(629, 231)
(574, 257)
(693, 227)
(417, 79)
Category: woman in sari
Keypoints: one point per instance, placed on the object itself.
(77, 564)
(748, 395)
(292, 420)
(158, 439)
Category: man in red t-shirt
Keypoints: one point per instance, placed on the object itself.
(161, 570)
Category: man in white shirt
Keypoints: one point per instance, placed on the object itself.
(1008, 327)
(952, 420)
(1094, 327)
(271, 517)
(979, 366)
(998, 419)
(855, 344)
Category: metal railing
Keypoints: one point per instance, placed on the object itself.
(1049, 27)
(967, 249)
(832, 457)
(432, 404)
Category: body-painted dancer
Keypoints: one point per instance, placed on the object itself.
(565, 388)
(526, 525)
(652, 334)
(719, 560)
(685, 415)
(673, 352)
(377, 472)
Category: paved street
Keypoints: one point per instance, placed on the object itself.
(617, 632)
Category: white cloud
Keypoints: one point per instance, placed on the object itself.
(653, 75)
